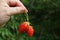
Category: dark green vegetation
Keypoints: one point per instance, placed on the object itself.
(44, 16)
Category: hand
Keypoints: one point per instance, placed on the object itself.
(8, 8)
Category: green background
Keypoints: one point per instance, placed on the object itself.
(44, 16)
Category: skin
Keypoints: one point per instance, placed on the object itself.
(9, 8)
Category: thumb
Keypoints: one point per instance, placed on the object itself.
(15, 10)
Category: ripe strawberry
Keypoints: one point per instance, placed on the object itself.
(23, 27)
(30, 31)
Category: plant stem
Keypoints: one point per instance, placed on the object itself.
(26, 16)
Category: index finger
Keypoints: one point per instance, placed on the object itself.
(20, 4)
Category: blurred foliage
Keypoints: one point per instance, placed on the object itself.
(44, 16)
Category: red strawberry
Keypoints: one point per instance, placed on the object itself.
(30, 31)
(23, 27)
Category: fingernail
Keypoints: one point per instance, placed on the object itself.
(26, 11)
